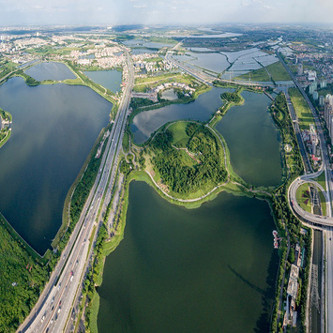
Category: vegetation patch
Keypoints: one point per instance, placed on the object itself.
(303, 197)
(289, 147)
(22, 278)
(273, 72)
(5, 131)
(303, 112)
(183, 171)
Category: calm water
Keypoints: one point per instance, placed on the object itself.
(140, 50)
(147, 44)
(54, 128)
(215, 62)
(50, 71)
(145, 123)
(109, 79)
(253, 140)
(210, 269)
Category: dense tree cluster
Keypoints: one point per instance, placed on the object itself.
(231, 97)
(22, 278)
(140, 102)
(182, 178)
(82, 190)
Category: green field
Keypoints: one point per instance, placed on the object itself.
(303, 112)
(321, 180)
(322, 202)
(179, 136)
(276, 70)
(303, 197)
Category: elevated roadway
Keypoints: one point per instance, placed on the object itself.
(325, 221)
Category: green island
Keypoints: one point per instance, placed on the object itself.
(5, 129)
(193, 182)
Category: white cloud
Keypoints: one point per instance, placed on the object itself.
(163, 11)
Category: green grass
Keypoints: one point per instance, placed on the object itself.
(179, 136)
(276, 70)
(303, 112)
(321, 180)
(303, 197)
(322, 202)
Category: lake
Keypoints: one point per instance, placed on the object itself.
(253, 140)
(110, 79)
(211, 269)
(54, 128)
(145, 123)
(50, 71)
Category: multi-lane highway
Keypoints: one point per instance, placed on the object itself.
(55, 304)
(325, 221)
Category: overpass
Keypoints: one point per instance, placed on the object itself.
(325, 221)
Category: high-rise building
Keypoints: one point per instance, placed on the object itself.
(312, 87)
(300, 69)
(323, 84)
(328, 114)
(315, 95)
(328, 107)
(312, 75)
(330, 128)
(321, 100)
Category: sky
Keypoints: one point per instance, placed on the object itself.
(115, 12)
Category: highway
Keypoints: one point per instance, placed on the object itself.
(326, 221)
(329, 280)
(55, 304)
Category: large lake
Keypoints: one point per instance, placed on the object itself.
(210, 269)
(50, 71)
(54, 128)
(253, 140)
